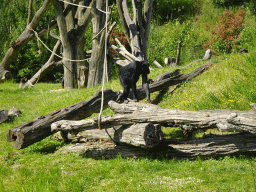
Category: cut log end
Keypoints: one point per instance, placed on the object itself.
(17, 138)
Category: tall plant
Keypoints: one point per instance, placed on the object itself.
(224, 35)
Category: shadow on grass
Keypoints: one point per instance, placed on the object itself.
(159, 97)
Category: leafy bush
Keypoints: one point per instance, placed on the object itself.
(224, 35)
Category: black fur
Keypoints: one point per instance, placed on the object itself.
(129, 75)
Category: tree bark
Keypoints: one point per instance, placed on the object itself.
(29, 11)
(39, 128)
(5, 75)
(97, 57)
(224, 120)
(141, 135)
(136, 29)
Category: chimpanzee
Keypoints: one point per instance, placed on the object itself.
(129, 75)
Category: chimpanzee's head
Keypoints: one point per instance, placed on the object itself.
(144, 66)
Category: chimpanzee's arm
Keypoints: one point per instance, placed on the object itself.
(146, 86)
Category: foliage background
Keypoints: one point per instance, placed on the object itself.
(172, 21)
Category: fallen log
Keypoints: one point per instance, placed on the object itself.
(208, 146)
(160, 85)
(212, 145)
(6, 116)
(223, 120)
(39, 128)
(145, 135)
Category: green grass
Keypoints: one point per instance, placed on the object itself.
(40, 167)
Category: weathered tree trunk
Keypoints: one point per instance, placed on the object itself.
(136, 29)
(39, 128)
(178, 53)
(142, 135)
(29, 11)
(97, 57)
(5, 75)
(23, 38)
(167, 75)
(4, 116)
(224, 120)
(72, 36)
(160, 85)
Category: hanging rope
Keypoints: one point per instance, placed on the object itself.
(104, 69)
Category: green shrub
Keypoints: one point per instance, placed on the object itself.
(248, 36)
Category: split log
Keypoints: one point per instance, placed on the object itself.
(145, 135)
(39, 128)
(224, 120)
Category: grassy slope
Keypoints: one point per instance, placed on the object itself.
(228, 84)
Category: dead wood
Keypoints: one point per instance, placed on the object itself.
(39, 128)
(223, 120)
(142, 135)
(209, 146)
(6, 116)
